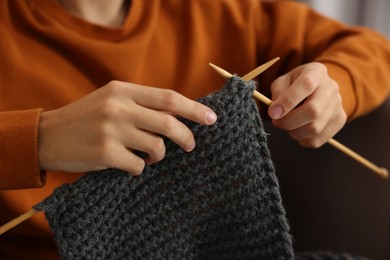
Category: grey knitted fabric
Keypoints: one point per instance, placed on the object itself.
(220, 201)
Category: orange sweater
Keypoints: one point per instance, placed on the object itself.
(50, 58)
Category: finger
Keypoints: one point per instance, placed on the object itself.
(314, 141)
(317, 140)
(314, 109)
(148, 143)
(312, 129)
(125, 160)
(329, 131)
(280, 85)
(173, 102)
(302, 87)
(167, 125)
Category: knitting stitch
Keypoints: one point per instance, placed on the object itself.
(220, 201)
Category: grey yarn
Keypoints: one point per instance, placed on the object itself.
(220, 201)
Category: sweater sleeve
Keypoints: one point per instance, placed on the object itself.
(357, 58)
(19, 166)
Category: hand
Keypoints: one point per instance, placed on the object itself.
(105, 128)
(308, 105)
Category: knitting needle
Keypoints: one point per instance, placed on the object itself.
(382, 172)
(224, 73)
(257, 71)
(17, 221)
(252, 74)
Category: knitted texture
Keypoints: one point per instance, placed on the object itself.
(221, 200)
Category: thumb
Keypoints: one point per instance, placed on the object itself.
(278, 88)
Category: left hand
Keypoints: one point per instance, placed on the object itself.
(307, 104)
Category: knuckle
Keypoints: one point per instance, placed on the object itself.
(168, 125)
(157, 150)
(314, 129)
(277, 86)
(101, 132)
(114, 87)
(170, 99)
(196, 109)
(313, 110)
(320, 66)
(109, 109)
(110, 105)
(309, 83)
(290, 102)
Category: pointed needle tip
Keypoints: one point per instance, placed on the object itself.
(221, 71)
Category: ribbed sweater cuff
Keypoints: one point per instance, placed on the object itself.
(19, 164)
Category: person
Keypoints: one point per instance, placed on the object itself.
(86, 84)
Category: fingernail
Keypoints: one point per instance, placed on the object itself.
(275, 112)
(211, 117)
(191, 147)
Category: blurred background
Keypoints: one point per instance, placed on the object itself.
(371, 13)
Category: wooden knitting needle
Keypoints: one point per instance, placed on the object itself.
(379, 170)
(226, 74)
(17, 221)
(382, 172)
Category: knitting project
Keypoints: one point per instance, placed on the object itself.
(220, 201)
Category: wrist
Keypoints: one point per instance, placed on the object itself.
(43, 146)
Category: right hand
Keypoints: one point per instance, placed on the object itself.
(105, 128)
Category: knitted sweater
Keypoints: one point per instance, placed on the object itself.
(221, 200)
